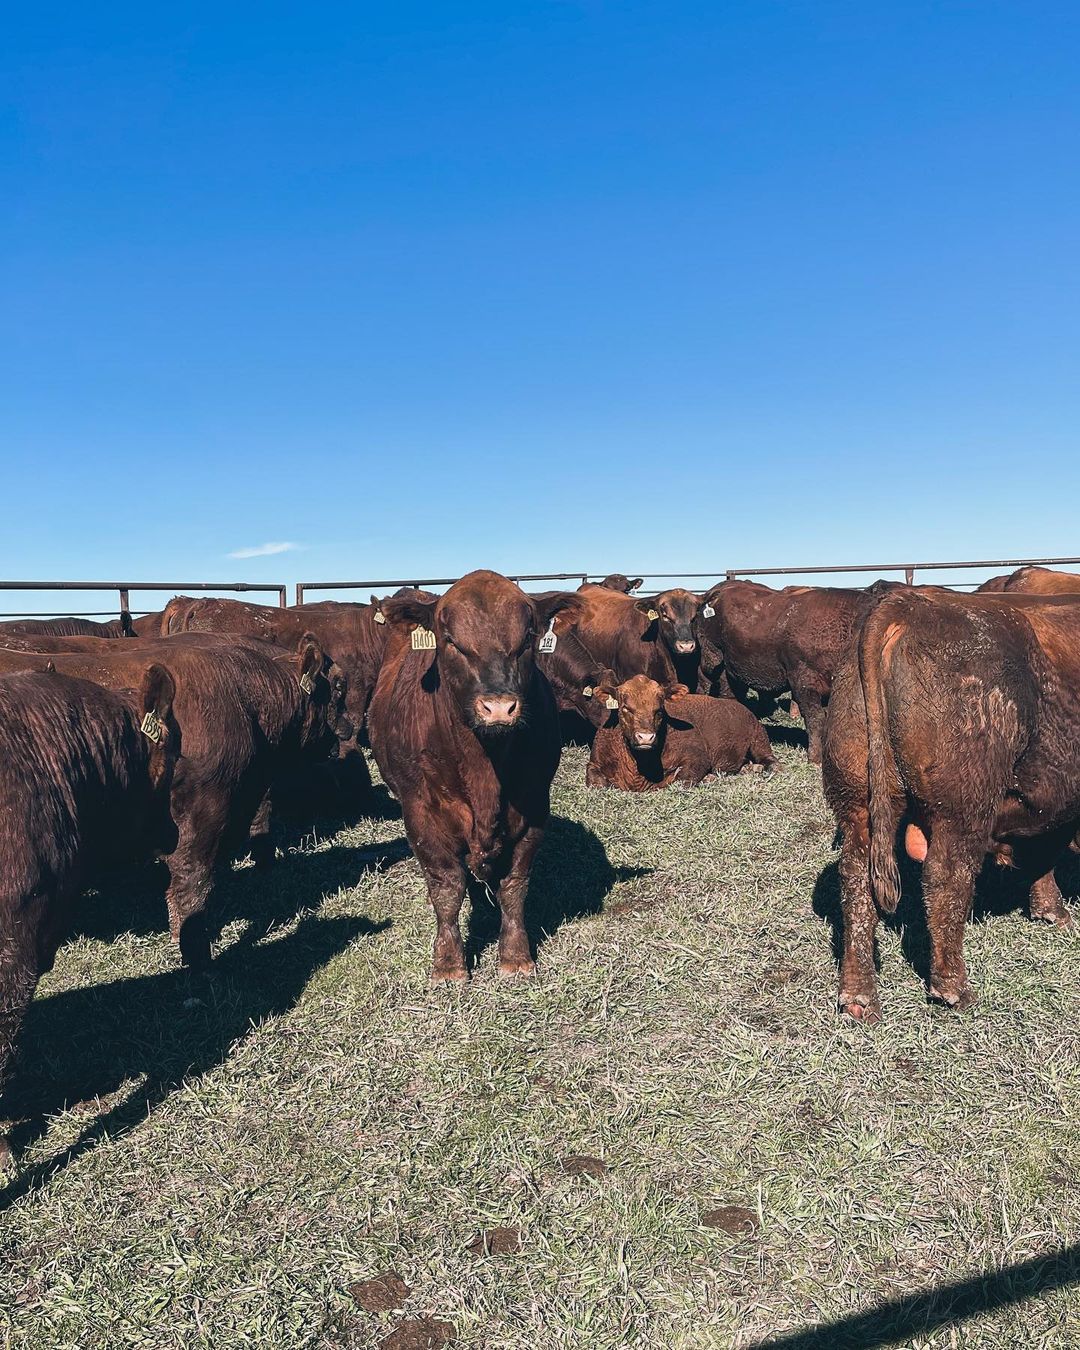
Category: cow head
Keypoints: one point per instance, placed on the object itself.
(641, 709)
(676, 612)
(326, 687)
(485, 630)
(616, 581)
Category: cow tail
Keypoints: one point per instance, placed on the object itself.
(884, 777)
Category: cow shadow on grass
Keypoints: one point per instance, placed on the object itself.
(165, 1029)
(999, 891)
(571, 878)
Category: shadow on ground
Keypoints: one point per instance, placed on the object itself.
(571, 878)
(85, 1044)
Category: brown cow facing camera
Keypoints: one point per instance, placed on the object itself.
(464, 729)
(662, 734)
(84, 781)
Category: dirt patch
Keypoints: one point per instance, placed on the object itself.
(581, 1165)
(734, 1219)
(382, 1293)
(496, 1242)
(419, 1333)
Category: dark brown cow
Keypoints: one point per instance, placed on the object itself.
(1035, 581)
(69, 627)
(248, 715)
(772, 641)
(617, 581)
(349, 633)
(467, 738)
(958, 717)
(637, 637)
(661, 735)
(84, 781)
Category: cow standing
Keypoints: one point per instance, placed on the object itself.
(466, 735)
(84, 781)
(958, 717)
(1034, 581)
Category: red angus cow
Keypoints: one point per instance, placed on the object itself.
(69, 627)
(662, 735)
(651, 637)
(617, 581)
(1035, 581)
(773, 641)
(84, 781)
(467, 738)
(959, 715)
(247, 714)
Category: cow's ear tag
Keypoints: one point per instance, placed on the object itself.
(380, 617)
(652, 616)
(548, 642)
(151, 727)
(423, 639)
(612, 704)
(305, 683)
(708, 612)
(587, 692)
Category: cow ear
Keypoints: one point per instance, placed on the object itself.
(635, 584)
(310, 660)
(126, 626)
(604, 693)
(568, 603)
(156, 693)
(406, 611)
(648, 608)
(676, 690)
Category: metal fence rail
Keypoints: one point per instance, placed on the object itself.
(910, 570)
(124, 589)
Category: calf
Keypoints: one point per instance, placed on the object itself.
(958, 717)
(465, 732)
(659, 735)
(84, 781)
(248, 715)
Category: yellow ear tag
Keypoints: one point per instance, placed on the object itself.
(612, 704)
(423, 639)
(305, 683)
(151, 727)
(587, 692)
(380, 617)
(652, 615)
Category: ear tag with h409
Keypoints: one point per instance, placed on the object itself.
(423, 639)
(708, 612)
(548, 642)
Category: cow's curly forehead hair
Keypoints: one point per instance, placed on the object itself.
(486, 605)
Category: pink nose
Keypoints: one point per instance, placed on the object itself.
(645, 737)
(494, 712)
(685, 647)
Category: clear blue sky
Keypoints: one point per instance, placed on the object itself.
(421, 287)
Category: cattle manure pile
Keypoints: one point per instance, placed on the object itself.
(226, 1159)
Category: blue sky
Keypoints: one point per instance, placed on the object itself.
(421, 287)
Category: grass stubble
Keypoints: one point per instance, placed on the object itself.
(669, 1138)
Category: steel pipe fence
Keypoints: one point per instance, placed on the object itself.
(123, 590)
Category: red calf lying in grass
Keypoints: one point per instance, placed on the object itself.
(661, 734)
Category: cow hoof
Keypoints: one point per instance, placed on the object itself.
(7, 1158)
(449, 975)
(960, 999)
(517, 970)
(1060, 918)
(863, 1008)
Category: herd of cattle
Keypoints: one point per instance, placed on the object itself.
(946, 725)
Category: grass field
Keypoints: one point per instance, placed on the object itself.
(229, 1161)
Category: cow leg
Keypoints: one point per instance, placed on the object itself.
(515, 953)
(858, 995)
(191, 867)
(446, 891)
(262, 846)
(1045, 902)
(19, 970)
(948, 884)
(812, 708)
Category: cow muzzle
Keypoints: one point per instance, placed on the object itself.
(497, 710)
(644, 740)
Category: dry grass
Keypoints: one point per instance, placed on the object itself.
(217, 1163)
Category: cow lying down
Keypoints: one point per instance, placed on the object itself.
(661, 734)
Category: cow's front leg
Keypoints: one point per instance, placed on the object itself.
(515, 951)
(446, 891)
(811, 707)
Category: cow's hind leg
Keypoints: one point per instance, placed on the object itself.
(1046, 904)
(952, 864)
(858, 996)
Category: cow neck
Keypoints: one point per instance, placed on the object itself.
(686, 667)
